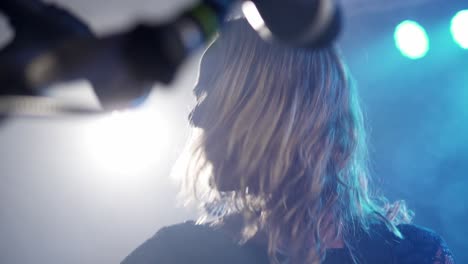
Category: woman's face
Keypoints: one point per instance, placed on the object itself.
(195, 117)
(214, 142)
(202, 88)
(213, 145)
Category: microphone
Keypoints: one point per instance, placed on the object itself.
(302, 23)
(38, 27)
(121, 67)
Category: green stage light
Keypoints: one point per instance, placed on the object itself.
(411, 39)
(459, 28)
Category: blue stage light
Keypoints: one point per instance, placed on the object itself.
(459, 28)
(411, 39)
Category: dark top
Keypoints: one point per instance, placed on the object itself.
(188, 243)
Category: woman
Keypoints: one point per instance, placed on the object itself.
(282, 154)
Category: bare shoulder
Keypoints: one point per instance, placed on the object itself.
(422, 245)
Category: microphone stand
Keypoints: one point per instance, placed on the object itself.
(53, 45)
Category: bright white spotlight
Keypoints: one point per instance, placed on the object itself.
(127, 142)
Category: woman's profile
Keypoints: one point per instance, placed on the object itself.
(281, 167)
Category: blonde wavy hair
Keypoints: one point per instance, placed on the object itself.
(283, 144)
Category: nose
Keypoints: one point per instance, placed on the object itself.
(197, 90)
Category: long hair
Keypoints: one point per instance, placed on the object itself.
(283, 144)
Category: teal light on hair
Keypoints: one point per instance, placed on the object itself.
(459, 28)
(411, 39)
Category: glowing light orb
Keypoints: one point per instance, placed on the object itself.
(459, 28)
(411, 39)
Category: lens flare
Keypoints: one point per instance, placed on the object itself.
(459, 28)
(411, 39)
(127, 142)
